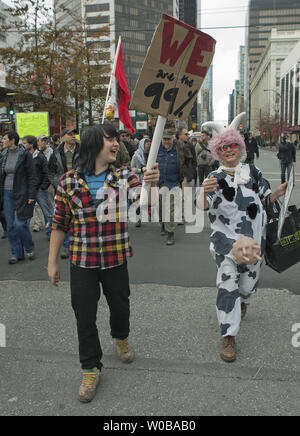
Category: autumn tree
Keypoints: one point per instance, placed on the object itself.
(53, 68)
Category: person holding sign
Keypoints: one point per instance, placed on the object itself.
(235, 199)
(99, 245)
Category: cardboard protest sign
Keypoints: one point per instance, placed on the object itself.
(174, 69)
(32, 123)
(286, 201)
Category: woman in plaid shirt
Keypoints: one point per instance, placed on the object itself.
(90, 205)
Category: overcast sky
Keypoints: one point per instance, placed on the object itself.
(221, 13)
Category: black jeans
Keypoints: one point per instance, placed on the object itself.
(85, 294)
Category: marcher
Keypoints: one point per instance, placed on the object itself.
(234, 200)
(55, 141)
(2, 217)
(99, 247)
(204, 157)
(190, 162)
(17, 196)
(171, 160)
(286, 155)
(41, 169)
(125, 137)
(123, 158)
(138, 162)
(63, 159)
(251, 148)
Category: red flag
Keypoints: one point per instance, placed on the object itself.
(123, 93)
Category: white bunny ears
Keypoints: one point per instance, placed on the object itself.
(219, 128)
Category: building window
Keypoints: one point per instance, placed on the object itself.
(97, 8)
(98, 20)
(2, 34)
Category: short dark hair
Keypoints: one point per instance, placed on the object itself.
(206, 133)
(179, 132)
(13, 135)
(92, 143)
(32, 140)
(55, 137)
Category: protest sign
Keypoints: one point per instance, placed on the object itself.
(174, 69)
(32, 123)
(286, 201)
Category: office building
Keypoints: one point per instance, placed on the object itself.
(264, 15)
(289, 90)
(133, 20)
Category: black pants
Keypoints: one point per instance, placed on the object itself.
(85, 294)
(203, 171)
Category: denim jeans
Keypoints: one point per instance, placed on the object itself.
(85, 294)
(42, 198)
(286, 167)
(18, 232)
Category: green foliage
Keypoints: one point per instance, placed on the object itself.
(50, 66)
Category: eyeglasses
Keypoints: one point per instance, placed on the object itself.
(224, 148)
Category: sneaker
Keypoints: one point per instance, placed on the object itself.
(13, 260)
(88, 387)
(123, 350)
(64, 254)
(243, 309)
(228, 353)
(35, 229)
(139, 223)
(170, 239)
(30, 256)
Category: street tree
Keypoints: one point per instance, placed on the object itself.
(52, 68)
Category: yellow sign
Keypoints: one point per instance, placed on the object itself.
(32, 123)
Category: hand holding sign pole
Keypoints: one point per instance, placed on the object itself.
(168, 84)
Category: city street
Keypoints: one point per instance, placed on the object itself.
(174, 333)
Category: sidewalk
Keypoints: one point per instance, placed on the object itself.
(177, 370)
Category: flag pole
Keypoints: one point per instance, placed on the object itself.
(111, 77)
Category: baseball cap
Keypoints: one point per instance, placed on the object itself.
(67, 132)
(168, 134)
(42, 137)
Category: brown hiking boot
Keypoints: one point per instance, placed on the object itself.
(123, 350)
(87, 390)
(243, 310)
(228, 349)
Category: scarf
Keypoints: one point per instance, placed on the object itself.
(241, 176)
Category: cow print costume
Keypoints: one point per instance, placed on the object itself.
(235, 212)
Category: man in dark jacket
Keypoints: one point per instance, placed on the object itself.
(251, 148)
(125, 137)
(286, 155)
(63, 159)
(17, 196)
(171, 164)
(43, 182)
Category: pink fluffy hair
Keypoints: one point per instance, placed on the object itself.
(228, 137)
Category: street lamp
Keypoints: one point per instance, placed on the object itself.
(280, 97)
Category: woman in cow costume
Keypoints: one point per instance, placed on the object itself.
(234, 196)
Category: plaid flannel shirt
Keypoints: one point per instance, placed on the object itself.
(98, 237)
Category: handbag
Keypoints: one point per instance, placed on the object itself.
(283, 253)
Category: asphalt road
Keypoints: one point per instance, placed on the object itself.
(174, 333)
(187, 263)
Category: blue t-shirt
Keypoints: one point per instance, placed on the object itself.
(95, 184)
